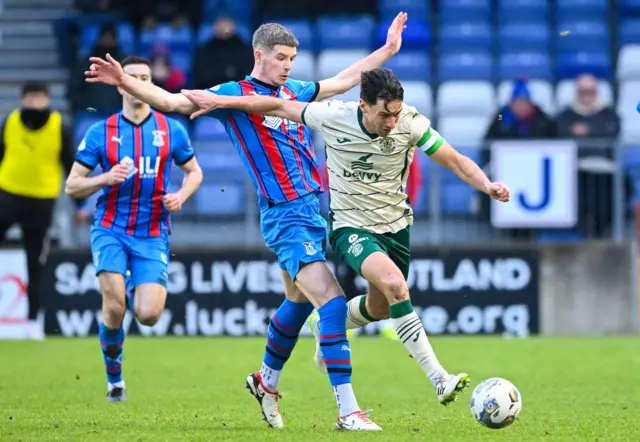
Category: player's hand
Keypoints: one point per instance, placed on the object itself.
(205, 100)
(172, 202)
(117, 174)
(106, 71)
(499, 191)
(394, 35)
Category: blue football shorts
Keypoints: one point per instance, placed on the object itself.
(147, 259)
(296, 232)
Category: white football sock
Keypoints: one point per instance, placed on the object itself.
(411, 333)
(357, 316)
(270, 378)
(116, 385)
(346, 399)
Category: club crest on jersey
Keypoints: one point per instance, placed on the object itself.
(309, 248)
(388, 145)
(158, 138)
(284, 95)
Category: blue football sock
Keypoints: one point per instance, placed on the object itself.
(336, 351)
(282, 336)
(111, 342)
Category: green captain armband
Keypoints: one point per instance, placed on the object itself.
(430, 141)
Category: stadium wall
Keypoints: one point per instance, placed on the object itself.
(588, 289)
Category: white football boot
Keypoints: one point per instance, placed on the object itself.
(357, 421)
(449, 386)
(314, 325)
(268, 400)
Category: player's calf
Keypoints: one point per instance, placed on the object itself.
(111, 332)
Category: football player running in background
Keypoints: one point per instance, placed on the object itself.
(370, 145)
(135, 149)
(278, 157)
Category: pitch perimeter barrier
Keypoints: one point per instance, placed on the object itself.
(576, 289)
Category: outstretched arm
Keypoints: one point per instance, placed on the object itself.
(110, 72)
(207, 101)
(350, 77)
(469, 172)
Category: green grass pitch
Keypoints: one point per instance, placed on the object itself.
(192, 389)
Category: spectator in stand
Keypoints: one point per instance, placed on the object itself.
(166, 75)
(224, 58)
(347, 276)
(101, 97)
(588, 116)
(521, 118)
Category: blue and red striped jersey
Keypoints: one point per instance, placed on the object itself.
(277, 153)
(135, 206)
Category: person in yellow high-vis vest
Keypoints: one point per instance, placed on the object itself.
(35, 149)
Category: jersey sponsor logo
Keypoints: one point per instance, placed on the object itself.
(356, 248)
(275, 123)
(359, 170)
(388, 145)
(147, 168)
(343, 140)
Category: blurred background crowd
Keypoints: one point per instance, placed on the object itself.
(482, 70)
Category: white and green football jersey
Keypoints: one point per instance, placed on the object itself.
(367, 173)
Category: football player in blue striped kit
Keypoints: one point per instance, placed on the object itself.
(135, 148)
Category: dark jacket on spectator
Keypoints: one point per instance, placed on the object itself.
(219, 61)
(604, 123)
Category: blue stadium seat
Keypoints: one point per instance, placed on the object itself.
(82, 122)
(205, 33)
(465, 10)
(570, 65)
(175, 38)
(456, 199)
(518, 11)
(532, 65)
(534, 37)
(208, 129)
(628, 8)
(239, 10)
(583, 36)
(182, 60)
(631, 160)
(466, 66)
(222, 199)
(303, 30)
(465, 36)
(221, 160)
(410, 65)
(345, 32)
(582, 9)
(629, 32)
(560, 236)
(416, 36)
(417, 10)
(125, 32)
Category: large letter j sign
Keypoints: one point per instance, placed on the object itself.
(546, 189)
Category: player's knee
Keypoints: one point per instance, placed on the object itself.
(395, 289)
(148, 315)
(113, 306)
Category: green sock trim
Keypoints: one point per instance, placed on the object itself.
(363, 309)
(401, 309)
